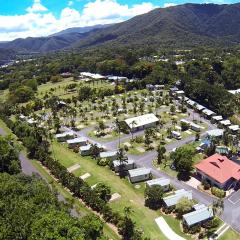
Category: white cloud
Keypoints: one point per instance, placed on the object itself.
(37, 7)
(70, 3)
(38, 21)
(165, 5)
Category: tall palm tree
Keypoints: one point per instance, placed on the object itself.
(132, 124)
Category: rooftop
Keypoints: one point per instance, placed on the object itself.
(108, 154)
(116, 163)
(141, 120)
(174, 199)
(208, 112)
(220, 168)
(139, 171)
(77, 140)
(215, 132)
(202, 214)
(158, 181)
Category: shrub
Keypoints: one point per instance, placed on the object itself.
(206, 185)
(218, 192)
(103, 162)
(138, 139)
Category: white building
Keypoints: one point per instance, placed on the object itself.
(142, 122)
(127, 165)
(176, 135)
(109, 155)
(77, 142)
(162, 182)
(62, 137)
(139, 174)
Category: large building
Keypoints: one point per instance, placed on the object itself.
(142, 122)
(219, 171)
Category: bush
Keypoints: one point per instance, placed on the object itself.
(126, 148)
(206, 185)
(103, 162)
(218, 192)
(138, 139)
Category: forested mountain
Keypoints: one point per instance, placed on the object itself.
(81, 29)
(179, 26)
(183, 25)
(43, 44)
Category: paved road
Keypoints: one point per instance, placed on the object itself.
(29, 169)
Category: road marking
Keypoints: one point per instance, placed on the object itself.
(229, 199)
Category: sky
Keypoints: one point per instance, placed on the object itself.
(25, 18)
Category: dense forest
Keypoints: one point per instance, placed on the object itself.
(206, 75)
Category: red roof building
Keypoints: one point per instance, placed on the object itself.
(219, 171)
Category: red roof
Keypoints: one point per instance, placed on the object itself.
(220, 168)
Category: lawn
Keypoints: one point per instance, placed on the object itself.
(230, 234)
(130, 195)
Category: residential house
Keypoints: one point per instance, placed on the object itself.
(77, 142)
(62, 137)
(142, 122)
(110, 155)
(173, 199)
(126, 165)
(162, 182)
(198, 216)
(139, 174)
(219, 171)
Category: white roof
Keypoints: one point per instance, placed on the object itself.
(141, 120)
(174, 199)
(158, 181)
(234, 127)
(199, 107)
(85, 148)
(215, 132)
(191, 102)
(139, 172)
(225, 122)
(176, 133)
(217, 118)
(91, 75)
(116, 163)
(77, 140)
(208, 112)
(237, 91)
(64, 134)
(108, 154)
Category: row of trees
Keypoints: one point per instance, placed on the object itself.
(35, 139)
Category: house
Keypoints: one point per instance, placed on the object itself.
(162, 182)
(179, 93)
(216, 119)
(199, 107)
(201, 214)
(62, 137)
(109, 155)
(208, 113)
(191, 103)
(225, 123)
(172, 200)
(139, 174)
(117, 78)
(219, 171)
(195, 127)
(142, 122)
(77, 142)
(234, 92)
(126, 165)
(223, 150)
(85, 150)
(215, 133)
(234, 128)
(176, 135)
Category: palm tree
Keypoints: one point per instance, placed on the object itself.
(132, 124)
(218, 206)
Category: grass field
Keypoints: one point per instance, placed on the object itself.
(130, 195)
(230, 234)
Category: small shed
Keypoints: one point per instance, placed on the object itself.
(216, 119)
(163, 182)
(225, 123)
(77, 142)
(172, 200)
(139, 174)
(208, 113)
(109, 155)
(176, 135)
(198, 216)
(127, 165)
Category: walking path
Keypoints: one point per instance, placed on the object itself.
(166, 230)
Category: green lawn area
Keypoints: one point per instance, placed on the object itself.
(130, 195)
(230, 234)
